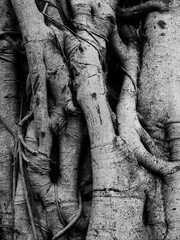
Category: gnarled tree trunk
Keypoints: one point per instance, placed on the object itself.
(134, 145)
(159, 100)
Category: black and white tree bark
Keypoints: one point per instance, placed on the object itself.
(77, 161)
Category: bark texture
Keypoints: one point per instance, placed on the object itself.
(94, 156)
(159, 101)
(8, 118)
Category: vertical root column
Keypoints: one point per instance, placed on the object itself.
(171, 187)
(38, 170)
(173, 134)
(116, 217)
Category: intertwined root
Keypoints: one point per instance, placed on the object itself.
(141, 9)
(87, 55)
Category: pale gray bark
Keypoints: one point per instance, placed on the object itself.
(8, 118)
(133, 185)
(159, 101)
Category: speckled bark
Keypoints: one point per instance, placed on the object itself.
(159, 100)
(117, 206)
(9, 113)
(48, 70)
(129, 201)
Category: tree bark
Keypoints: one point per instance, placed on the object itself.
(159, 100)
(131, 192)
(8, 118)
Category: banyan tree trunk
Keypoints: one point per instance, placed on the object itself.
(123, 190)
(159, 101)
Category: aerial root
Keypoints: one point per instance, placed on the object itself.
(73, 222)
(26, 194)
(20, 134)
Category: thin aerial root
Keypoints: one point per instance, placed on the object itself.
(7, 59)
(7, 32)
(27, 117)
(141, 119)
(72, 223)
(8, 128)
(20, 134)
(15, 153)
(15, 156)
(35, 165)
(26, 195)
(33, 152)
(132, 80)
(15, 171)
(149, 143)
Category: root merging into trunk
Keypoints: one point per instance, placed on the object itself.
(66, 46)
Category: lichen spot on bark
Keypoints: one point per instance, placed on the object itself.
(161, 24)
